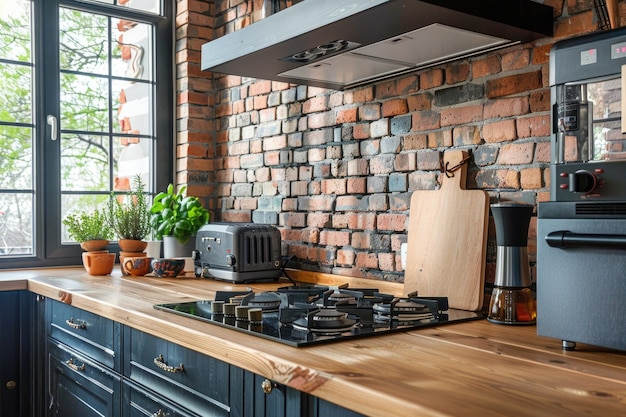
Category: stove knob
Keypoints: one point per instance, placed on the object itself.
(582, 181)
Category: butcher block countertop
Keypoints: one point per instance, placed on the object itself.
(467, 369)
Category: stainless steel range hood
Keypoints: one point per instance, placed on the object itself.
(339, 44)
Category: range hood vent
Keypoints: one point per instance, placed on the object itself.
(340, 44)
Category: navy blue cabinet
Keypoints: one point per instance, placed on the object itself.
(17, 355)
(97, 367)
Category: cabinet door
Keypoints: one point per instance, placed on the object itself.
(255, 396)
(16, 354)
(79, 386)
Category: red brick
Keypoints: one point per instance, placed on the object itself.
(499, 131)
(515, 59)
(395, 222)
(362, 221)
(531, 178)
(346, 116)
(315, 104)
(361, 131)
(334, 186)
(360, 240)
(356, 185)
(486, 66)
(516, 154)
(345, 257)
(425, 120)
(456, 73)
(334, 238)
(386, 261)
(459, 115)
(319, 220)
(506, 107)
(533, 126)
(514, 84)
(419, 102)
(366, 260)
(431, 78)
(394, 107)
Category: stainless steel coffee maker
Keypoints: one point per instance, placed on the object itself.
(512, 300)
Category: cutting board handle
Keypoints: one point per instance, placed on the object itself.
(455, 163)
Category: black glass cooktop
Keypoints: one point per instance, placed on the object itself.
(302, 316)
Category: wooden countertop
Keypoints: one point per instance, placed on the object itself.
(468, 369)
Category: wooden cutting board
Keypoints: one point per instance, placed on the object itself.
(447, 239)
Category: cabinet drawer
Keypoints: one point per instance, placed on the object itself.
(182, 375)
(79, 386)
(139, 402)
(93, 335)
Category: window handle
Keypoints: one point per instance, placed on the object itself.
(52, 121)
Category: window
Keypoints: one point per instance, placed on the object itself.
(86, 103)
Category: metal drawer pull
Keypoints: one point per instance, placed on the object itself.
(160, 362)
(76, 324)
(71, 364)
(159, 413)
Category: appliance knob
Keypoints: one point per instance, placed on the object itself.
(231, 260)
(582, 181)
(195, 254)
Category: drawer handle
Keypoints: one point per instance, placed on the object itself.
(71, 364)
(160, 362)
(76, 324)
(159, 413)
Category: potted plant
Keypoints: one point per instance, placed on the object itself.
(130, 217)
(175, 218)
(93, 232)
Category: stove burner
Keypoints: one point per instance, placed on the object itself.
(402, 310)
(266, 301)
(325, 321)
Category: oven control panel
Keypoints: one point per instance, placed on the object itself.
(603, 180)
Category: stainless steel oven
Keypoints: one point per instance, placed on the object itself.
(581, 241)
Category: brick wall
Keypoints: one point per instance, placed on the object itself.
(335, 170)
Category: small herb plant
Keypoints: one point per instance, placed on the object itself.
(130, 218)
(88, 226)
(173, 214)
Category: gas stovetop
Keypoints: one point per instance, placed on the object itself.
(306, 315)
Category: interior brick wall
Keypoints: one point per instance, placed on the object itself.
(334, 170)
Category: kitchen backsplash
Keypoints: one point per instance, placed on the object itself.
(334, 171)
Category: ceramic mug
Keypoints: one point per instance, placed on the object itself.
(167, 267)
(137, 266)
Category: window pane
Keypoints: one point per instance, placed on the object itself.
(132, 55)
(133, 103)
(133, 158)
(84, 162)
(153, 6)
(16, 224)
(84, 103)
(16, 159)
(15, 30)
(83, 41)
(15, 100)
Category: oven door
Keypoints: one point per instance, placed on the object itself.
(581, 275)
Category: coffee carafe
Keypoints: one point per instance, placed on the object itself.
(512, 300)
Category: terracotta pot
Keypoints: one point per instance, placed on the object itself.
(98, 263)
(132, 245)
(94, 245)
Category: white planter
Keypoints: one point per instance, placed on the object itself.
(172, 248)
